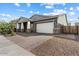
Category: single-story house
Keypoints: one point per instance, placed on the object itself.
(44, 23)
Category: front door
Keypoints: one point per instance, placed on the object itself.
(25, 26)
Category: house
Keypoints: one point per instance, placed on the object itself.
(22, 24)
(45, 23)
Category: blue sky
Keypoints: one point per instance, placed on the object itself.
(9, 11)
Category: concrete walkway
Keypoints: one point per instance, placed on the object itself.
(8, 48)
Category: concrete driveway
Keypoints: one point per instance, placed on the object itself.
(29, 41)
(8, 48)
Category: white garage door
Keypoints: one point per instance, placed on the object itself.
(45, 27)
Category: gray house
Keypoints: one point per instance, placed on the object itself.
(44, 23)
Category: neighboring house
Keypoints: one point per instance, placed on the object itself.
(47, 24)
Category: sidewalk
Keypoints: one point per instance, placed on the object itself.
(8, 48)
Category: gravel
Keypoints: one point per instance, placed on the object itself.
(57, 47)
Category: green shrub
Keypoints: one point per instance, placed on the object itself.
(7, 28)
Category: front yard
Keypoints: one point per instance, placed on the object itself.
(46, 45)
(57, 47)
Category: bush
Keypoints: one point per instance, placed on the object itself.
(13, 33)
(7, 28)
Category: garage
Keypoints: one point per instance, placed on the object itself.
(45, 27)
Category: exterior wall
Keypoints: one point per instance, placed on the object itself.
(28, 26)
(17, 26)
(34, 27)
(31, 25)
(62, 20)
(22, 27)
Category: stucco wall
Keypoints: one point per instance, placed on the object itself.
(62, 20)
(22, 26)
(17, 26)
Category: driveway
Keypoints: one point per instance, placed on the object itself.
(8, 48)
(29, 40)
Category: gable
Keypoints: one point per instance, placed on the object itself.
(23, 19)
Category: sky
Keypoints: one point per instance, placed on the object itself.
(10, 11)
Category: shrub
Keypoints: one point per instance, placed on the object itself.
(7, 28)
(13, 33)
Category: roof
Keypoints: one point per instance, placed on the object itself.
(23, 19)
(37, 17)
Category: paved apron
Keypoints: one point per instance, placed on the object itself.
(8, 48)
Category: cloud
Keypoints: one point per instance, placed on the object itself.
(56, 12)
(71, 8)
(71, 13)
(5, 15)
(17, 4)
(31, 12)
(28, 4)
(45, 13)
(77, 8)
(47, 5)
(51, 5)
(63, 4)
(37, 12)
(65, 8)
(20, 10)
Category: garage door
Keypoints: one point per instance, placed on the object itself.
(45, 27)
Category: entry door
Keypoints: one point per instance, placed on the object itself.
(25, 26)
(45, 27)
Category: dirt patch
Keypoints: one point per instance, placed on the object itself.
(57, 47)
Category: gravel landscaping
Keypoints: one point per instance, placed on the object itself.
(57, 47)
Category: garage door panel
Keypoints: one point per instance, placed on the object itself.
(45, 27)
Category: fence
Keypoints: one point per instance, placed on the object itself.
(70, 29)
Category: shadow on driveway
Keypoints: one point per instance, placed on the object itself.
(32, 34)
